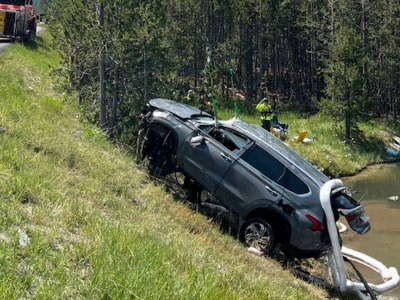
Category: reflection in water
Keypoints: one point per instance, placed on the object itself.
(377, 182)
(374, 186)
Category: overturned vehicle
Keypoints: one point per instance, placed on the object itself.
(270, 193)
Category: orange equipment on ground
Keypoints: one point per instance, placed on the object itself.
(299, 138)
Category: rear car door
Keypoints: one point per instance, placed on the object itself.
(206, 160)
(248, 183)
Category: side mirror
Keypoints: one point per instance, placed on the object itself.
(197, 140)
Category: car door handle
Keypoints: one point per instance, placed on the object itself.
(226, 157)
(271, 191)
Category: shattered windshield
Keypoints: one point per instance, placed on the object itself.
(230, 139)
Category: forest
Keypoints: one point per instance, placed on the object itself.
(336, 57)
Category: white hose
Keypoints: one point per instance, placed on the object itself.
(337, 263)
(339, 273)
(390, 275)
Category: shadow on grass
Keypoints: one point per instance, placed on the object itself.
(370, 144)
(32, 44)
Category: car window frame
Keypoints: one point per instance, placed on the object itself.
(287, 169)
(237, 149)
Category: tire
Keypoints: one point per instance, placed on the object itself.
(157, 148)
(258, 233)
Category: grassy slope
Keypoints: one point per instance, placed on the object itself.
(98, 228)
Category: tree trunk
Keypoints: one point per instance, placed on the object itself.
(145, 73)
(103, 99)
(115, 98)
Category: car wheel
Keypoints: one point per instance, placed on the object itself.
(258, 233)
(157, 148)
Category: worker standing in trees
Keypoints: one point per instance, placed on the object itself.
(189, 99)
(266, 113)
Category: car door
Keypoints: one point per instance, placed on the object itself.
(247, 184)
(206, 160)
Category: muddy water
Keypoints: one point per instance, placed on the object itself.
(376, 186)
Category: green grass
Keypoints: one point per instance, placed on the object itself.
(97, 227)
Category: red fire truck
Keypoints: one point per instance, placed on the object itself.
(17, 19)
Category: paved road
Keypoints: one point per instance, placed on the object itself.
(4, 43)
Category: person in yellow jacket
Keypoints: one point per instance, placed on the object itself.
(266, 113)
(189, 99)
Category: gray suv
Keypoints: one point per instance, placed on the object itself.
(269, 192)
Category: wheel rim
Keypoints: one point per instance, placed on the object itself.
(257, 235)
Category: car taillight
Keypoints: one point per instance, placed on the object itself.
(353, 213)
(316, 225)
(351, 218)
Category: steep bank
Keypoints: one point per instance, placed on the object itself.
(80, 220)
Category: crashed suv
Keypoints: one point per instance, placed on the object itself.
(272, 193)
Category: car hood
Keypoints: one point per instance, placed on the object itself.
(179, 109)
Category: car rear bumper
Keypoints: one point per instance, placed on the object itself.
(310, 244)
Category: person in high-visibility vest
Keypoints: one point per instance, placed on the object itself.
(266, 113)
(189, 99)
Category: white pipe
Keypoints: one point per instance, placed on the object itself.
(339, 273)
(338, 268)
(380, 288)
(367, 261)
(389, 275)
(334, 269)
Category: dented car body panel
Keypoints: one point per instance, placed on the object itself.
(272, 190)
